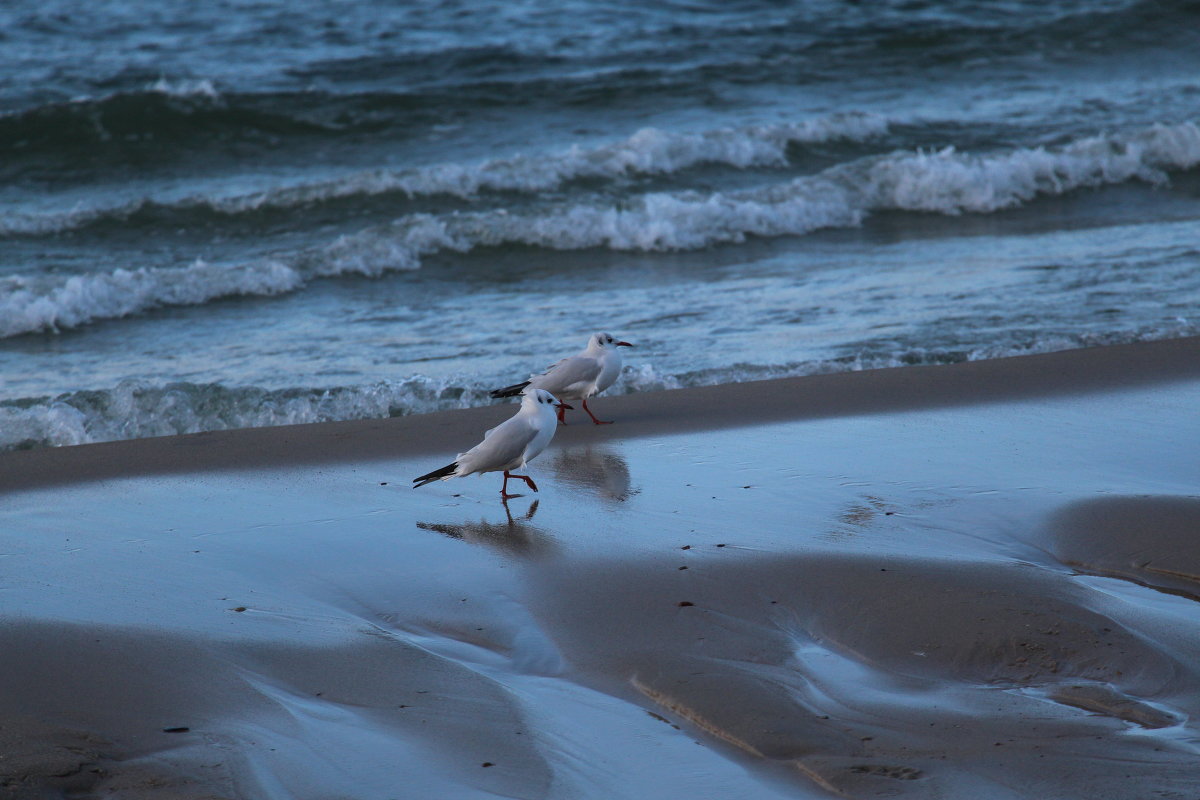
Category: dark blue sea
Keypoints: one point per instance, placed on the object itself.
(242, 213)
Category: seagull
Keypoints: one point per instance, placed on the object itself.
(507, 446)
(578, 377)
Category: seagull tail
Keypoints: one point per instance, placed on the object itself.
(437, 475)
(509, 391)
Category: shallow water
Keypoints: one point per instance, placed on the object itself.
(360, 211)
(948, 600)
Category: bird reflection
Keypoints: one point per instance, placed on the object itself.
(596, 468)
(515, 535)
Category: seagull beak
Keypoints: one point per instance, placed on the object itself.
(564, 405)
(624, 344)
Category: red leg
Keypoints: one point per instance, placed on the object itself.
(528, 480)
(562, 416)
(593, 416)
(504, 489)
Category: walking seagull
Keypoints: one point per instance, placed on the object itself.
(509, 445)
(578, 377)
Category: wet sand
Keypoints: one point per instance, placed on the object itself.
(977, 580)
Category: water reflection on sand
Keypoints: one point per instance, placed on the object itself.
(597, 468)
(514, 535)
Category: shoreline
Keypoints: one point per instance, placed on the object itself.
(644, 414)
(976, 580)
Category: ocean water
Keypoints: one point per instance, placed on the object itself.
(238, 213)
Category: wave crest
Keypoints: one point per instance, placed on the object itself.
(649, 151)
(28, 304)
(185, 87)
(949, 182)
(138, 409)
(945, 182)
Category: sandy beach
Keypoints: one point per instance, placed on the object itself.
(965, 581)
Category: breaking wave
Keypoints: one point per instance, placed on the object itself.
(137, 408)
(31, 304)
(945, 182)
(650, 151)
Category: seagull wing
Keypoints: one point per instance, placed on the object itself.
(569, 376)
(502, 447)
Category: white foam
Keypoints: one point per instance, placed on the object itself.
(657, 221)
(945, 182)
(950, 182)
(41, 303)
(136, 409)
(371, 253)
(185, 87)
(79, 216)
(649, 151)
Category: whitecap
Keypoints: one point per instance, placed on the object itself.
(648, 151)
(140, 408)
(944, 181)
(50, 303)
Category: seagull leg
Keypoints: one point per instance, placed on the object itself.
(504, 495)
(562, 416)
(525, 478)
(593, 416)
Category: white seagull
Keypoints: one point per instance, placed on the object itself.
(578, 377)
(507, 446)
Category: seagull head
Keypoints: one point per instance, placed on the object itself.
(603, 341)
(542, 397)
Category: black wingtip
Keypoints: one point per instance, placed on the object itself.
(509, 391)
(436, 475)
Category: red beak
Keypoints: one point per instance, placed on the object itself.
(624, 344)
(564, 405)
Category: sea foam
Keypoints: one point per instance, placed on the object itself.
(950, 182)
(649, 151)
(185, 87)
(31, 304)
(138, 408)
(944, 181)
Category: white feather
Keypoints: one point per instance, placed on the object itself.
(582, 375)
(514, 442)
